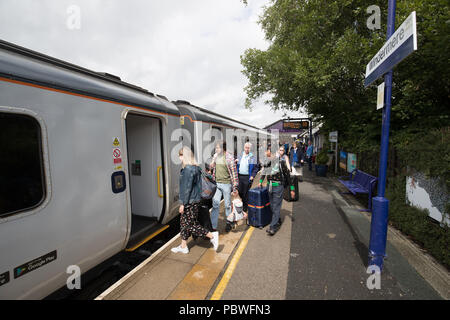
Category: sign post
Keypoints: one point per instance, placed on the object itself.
(333, 137)
(398, 45)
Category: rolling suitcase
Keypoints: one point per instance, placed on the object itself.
(287, 190)
(204, 218)
(259, 213)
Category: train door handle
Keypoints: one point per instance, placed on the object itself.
(158, 170)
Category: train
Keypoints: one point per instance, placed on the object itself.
(89, 166)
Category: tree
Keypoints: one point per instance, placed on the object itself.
(316, 63)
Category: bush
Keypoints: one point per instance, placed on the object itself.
(416, 224)
(322, 157)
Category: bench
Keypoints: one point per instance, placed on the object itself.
(360, 182)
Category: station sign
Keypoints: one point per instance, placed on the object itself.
(295, 125)
(401, 44)
(380, 96)
(333, 136)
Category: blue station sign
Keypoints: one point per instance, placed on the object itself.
(401, 44)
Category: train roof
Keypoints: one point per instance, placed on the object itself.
(200, 114)
(24, 65)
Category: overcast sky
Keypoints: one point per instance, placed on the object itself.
(183, 49)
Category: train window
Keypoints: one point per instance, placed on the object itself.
(235, 147)
(22, 184)
(216, 131)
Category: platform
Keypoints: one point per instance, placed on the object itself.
(320, 252)
(166, 275)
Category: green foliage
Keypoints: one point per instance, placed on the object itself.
(322, 157)
(427, 152)
(316, 63)
(416, 223)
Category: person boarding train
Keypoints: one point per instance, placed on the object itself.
(225, 174)
(190, 196)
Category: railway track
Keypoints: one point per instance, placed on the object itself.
(100, 278)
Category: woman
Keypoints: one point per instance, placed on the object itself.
(276, 169)
(190, 196)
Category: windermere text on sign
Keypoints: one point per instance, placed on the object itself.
(399, 46)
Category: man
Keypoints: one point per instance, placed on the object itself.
(296, 158)
(225, 174)
(276, 169)
(247, 168)
(309, 154)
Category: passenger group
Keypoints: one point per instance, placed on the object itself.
(231, 178)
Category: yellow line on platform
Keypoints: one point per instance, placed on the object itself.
(229, 272)
(147, 239)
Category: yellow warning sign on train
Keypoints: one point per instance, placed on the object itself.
(181, 120)
(116, 142)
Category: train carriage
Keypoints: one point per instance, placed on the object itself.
(87, 167)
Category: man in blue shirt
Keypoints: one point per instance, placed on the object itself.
(247, 169)
(309, 154)
(296, 159)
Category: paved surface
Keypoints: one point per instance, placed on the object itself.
(177, 276)
(262, 271)
(328, 260)
(320, 252)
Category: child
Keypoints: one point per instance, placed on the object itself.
(237, 212)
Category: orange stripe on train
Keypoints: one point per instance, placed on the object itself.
(259, 207)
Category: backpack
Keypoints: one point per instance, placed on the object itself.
(209, 186)
(285, 173)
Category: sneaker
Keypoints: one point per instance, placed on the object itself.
(215, 240)
(180, 249)
(271, 232)
(228, 227)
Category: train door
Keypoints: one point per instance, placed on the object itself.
(146, 176)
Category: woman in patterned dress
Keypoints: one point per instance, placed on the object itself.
(190, 196)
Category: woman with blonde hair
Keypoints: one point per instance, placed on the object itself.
(190, 196)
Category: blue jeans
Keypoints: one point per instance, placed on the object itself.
(276, 200)
(225, 189)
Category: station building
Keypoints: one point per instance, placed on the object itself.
(291, 129)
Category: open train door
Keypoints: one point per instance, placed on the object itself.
(146, 177)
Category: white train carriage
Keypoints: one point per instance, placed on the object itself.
(207, 127)
(87, 167)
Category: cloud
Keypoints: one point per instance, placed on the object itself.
(187, 50)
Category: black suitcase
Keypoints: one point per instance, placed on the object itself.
(204, 218)
(259, 213)
(287, 190)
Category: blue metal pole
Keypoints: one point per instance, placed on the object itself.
(380, 205)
